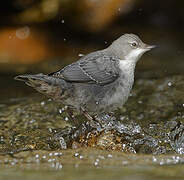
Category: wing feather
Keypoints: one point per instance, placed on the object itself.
(97, 69)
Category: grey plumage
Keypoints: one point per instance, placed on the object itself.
(98, 82)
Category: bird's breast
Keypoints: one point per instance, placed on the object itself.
(123, 85)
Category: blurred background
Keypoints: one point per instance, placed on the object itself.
(44, 35)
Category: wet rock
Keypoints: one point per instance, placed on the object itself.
(151, 122)
(30, 125)
(177, 138)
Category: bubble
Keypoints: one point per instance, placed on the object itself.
(23, 33)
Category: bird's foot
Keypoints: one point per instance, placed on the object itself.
(93, 120)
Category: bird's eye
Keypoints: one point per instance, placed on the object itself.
(134, 44)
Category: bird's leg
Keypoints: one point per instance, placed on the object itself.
(69, 111)
(86, 114)
(92, 120)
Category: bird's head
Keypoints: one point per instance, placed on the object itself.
(129, 47)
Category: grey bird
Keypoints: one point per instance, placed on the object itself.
(97, 83)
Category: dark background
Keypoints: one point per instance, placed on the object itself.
(45, 35)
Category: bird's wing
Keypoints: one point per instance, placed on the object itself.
(98, 69)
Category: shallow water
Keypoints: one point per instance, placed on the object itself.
(90, 164)
(83, 172)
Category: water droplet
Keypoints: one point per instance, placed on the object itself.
(50, 130)
(62, 143)
(42, 103)
(13, 163)
(80, 55)
(169, 84)
(57, 153)
(96, 163)
(124, 162)
(44, 157)
(23, 33)
(101, 157)
(140, 116)
(66, 118)
(49, 160)
(76, 154)
(109, 155)
(60, 111)
(58, 165)
(154, 159)
(37, 156)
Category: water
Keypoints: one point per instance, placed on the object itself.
(90, 164)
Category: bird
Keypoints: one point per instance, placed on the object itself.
(99, 82)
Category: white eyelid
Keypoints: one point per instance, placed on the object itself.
(133, 43)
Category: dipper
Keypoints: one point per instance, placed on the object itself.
(98, 82)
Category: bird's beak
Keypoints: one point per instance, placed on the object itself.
(148, 47)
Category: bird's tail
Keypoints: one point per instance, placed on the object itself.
(47, 85)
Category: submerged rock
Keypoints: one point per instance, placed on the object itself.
(151, 122)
